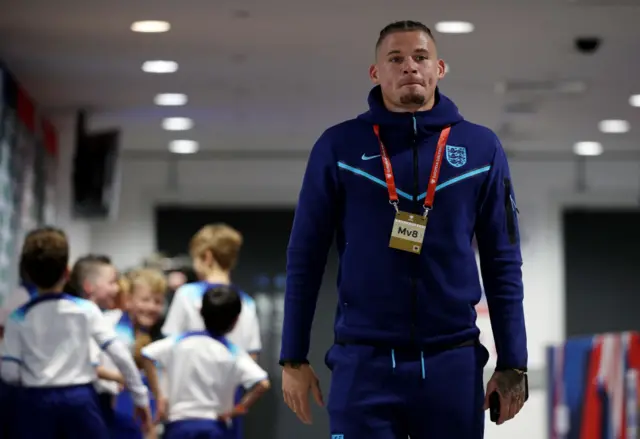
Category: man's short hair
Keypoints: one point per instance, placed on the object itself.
(85, 268)
(221, 240)
(221, 306)
(45, 255)
(403, 26)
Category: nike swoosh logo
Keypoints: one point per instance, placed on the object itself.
(366, 157)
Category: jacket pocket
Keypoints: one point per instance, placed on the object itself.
(346, 281)
(511, 212)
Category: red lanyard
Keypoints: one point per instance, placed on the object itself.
(433, 178)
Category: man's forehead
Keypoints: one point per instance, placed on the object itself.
(403, 42)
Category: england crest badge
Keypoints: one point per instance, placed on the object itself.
(456, 156)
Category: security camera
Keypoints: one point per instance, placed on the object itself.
(587, 45)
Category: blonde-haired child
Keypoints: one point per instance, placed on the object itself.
(142, 301)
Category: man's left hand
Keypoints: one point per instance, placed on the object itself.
(510, 385)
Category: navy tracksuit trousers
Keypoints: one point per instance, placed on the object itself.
(379, 393)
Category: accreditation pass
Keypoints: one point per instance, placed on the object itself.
(408, 232)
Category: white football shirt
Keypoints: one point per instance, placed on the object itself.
(184, 316)
(48, 341)
(100, 358)
(202, 373)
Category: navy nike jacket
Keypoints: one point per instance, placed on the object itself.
(388, 296)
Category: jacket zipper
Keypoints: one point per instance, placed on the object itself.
(416, 193)
(511, 210)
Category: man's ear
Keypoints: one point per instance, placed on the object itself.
(373, 74)
(442, 69)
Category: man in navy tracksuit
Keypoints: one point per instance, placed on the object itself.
(403, 189)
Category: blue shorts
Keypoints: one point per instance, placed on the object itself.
(125, 426)
(8, 398)
(196, 429)
(71, 412)
(106, 401)
(379, 393)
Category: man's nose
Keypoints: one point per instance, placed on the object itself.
(410, 67)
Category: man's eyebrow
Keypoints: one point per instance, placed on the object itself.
(397, 52)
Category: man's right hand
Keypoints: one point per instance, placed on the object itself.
(296, 383)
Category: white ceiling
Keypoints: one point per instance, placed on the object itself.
(276, 79)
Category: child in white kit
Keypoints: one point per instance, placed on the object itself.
(203, 371)
(46, 351)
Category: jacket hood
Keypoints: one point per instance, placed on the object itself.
(443, 113)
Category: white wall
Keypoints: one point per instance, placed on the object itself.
(542, 190)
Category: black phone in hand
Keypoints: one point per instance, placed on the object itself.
(494, 401)
(494, 407)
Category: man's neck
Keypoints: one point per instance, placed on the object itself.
(218, 277)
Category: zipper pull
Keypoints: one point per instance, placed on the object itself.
(415, 126)
(511, 211)
(507, 186)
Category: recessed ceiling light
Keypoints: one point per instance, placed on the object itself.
(160, 66)
(183, 146)
(150, 26)
(177, 123)
(454, 27)
(588, 148)
(614, 126)
(634, 101)
(171, 99)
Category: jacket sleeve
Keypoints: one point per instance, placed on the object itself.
(311, 238)
(501, 263)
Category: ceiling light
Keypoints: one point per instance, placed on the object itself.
(150, 26)
(171, 99)
(160, 66)
(614, 126)
(588, 148)
(634, 101)
(454, 27)
(177, 124)
(183, 146)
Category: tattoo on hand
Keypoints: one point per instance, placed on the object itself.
(511, 385)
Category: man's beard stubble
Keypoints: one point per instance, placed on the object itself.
(413, 99)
